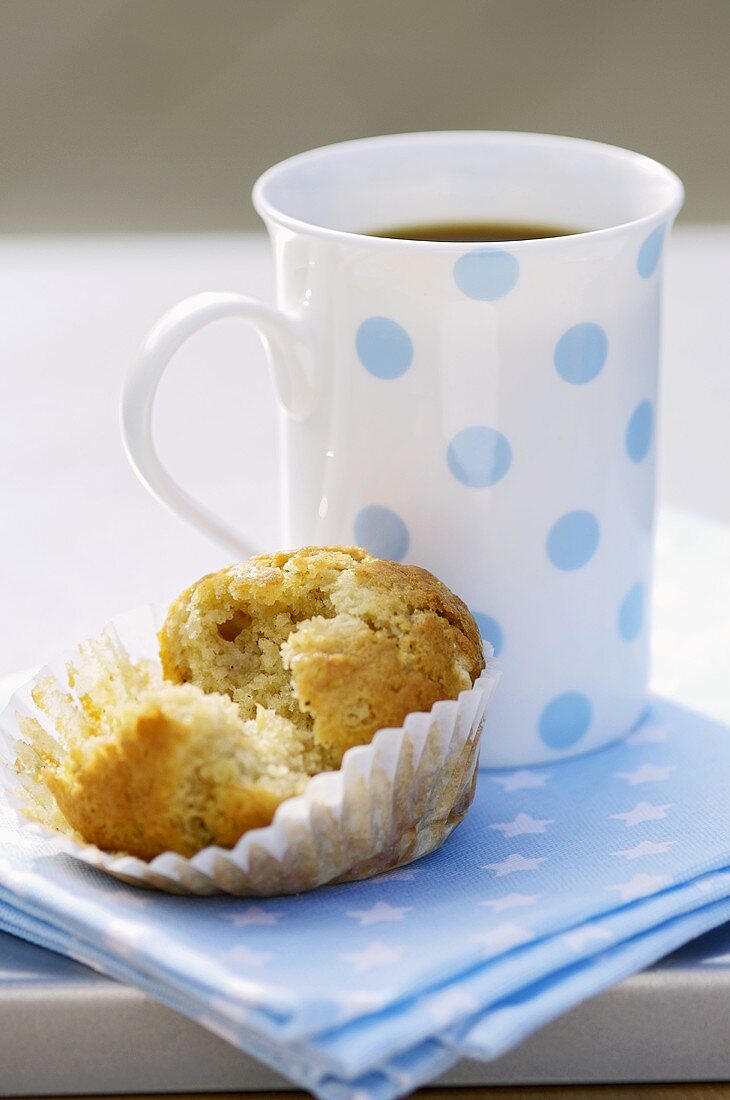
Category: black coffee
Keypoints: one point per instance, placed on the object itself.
(473, 232)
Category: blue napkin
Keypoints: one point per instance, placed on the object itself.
(561, 881)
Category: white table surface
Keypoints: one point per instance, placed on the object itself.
(79, 537)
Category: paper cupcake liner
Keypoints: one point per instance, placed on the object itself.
(391, 802)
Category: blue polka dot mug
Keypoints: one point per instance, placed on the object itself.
(486, 411)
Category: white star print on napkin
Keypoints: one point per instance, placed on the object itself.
(711, 883)
(648, 734)
(644, 811)
(645, 848)
(522, 825)
(588, 935)
(374, 955)
(452, 1003)
(379, 913)
(521, 780)
(245, 956)
(254, 914)
(646, 773)
(502, 938)
(513, 864)
(641, 885)
(509, 901)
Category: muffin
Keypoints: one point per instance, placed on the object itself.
(271, 670)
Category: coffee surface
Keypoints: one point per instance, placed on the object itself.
(473, 232)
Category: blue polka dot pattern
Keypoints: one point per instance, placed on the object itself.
(639, 431)
(486, 274)
(573, 540)
(631, 613)
(479, 456)
(384, 347)
(490, 630)
(565, 719)
(580, 353)
(650, 252)
(381, 532)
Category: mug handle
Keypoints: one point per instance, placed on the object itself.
(286, 341)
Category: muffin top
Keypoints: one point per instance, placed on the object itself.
(336, 641)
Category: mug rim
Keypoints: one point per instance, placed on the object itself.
(269, 212)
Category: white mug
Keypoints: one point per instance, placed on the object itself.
(486, 411)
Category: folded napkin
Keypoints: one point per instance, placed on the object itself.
(562, 880)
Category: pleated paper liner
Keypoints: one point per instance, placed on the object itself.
(391, 802)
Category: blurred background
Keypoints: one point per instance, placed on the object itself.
(159, 114)
(131, 132)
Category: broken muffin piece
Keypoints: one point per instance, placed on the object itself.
(144, 767)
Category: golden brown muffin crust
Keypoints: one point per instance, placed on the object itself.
(338, 641)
